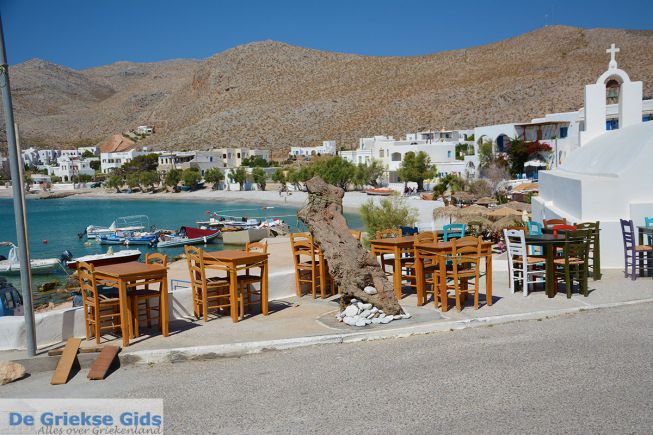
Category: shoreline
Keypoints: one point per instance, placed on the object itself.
(352, 201)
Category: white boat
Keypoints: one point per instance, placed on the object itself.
(109, 257)
(12, 266)
(188, 236)
(126, 223)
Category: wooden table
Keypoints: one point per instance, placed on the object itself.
(235, 261)
(644, 231)
(549, 242)
(395, 246)
(442, 249)
(125, 275)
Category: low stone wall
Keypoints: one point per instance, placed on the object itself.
(56, 326)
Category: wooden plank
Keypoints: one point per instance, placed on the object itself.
(102, 363)
(66, 361)
(94, 349)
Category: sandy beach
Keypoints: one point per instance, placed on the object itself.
(351, 202)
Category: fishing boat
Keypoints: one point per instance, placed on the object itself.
(11, 264)
(112, 239)
(145, 238)
(109, 257)
(188, 236)
(125, 223)
(379, 192)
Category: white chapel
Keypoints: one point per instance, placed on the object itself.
(610, 176)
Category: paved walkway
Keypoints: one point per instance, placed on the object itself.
(298, 322)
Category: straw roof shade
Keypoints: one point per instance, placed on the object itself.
(505, 222)
(449, 211)
(502, 212)
(463, 196)
(474, 210)
(520, 206)
(526, 187)
(486, 223)
(486, 200)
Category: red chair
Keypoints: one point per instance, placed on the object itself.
(557, 228)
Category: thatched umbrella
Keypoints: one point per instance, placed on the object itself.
(449, 211)
(486, 200)
(520, 206)
(502, 212)
(505, 222)
(474, 210)
(463, 196)
(486, 223)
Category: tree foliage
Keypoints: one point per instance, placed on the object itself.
(95, 165)
(173, 177)
(279, 176)
(239, 175)
(149, 179)
(133, 180)
(215, 176)
(260, 177)
(257, 162)
(390, 213)
(519, 152)
(190, 177)
(115, 181)
(148, 162)
(417, 168)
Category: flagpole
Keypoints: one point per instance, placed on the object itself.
(15, 164)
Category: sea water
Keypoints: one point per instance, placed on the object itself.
(54, 224)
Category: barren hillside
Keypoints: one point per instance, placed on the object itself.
(273, 95)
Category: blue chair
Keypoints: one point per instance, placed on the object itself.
(453, 231)
(648, 223)
(535, 229)
(408, 231)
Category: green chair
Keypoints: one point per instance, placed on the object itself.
(573, 265)
(595, 247)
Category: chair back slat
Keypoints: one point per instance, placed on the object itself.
(261, 247)
(388, 234)
(628, 233)
(648, 222)
(425, 237)
(156, 258)
(534, 228)
(408, 231)
(465, 252)
(453, 231)
(87, 283)
(516, 243)
(577, 244)
(356, 233)
(548, 223)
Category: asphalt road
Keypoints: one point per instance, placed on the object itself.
(584, 373)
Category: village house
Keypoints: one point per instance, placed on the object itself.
(328, 147)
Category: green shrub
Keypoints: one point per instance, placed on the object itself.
(389, 214)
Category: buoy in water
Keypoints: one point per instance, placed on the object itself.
(45, 242)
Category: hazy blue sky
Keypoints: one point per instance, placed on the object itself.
(84, 33)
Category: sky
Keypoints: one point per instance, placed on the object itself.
(86, 33)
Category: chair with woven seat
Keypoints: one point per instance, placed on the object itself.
(101, 312)
(306, 262)
(387, 234)
(634, 253)
(453, 231)
(573, 265)
(430, 262)
(521, 266)
(595, 248)
(145, 295)
(251, 277)
(465, 269)
(548, 223)
(209, 293)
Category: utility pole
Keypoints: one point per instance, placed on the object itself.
(15, 163)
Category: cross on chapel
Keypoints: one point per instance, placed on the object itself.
(613, 52)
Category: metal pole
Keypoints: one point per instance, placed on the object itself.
(15, 163)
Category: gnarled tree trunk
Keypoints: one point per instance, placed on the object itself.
(352, 267)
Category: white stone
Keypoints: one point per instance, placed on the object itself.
(397, 316)
(10, 372)
(376, 320)
(365, 313)
(371, 315)
(370, 290)
(349, 321)
(366, 306)
(386, 319)
(353, 301)
(381, 314)
(407, 316)
(375, 310)
(361, 322)
(351, 311)
(368, 321)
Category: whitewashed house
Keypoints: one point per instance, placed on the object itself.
(608, 177)
(144, 130)
(328, 147)
(201, 160)
(233, 157)
(69, 167)
(109, 162)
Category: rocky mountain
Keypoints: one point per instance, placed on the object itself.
(273, 95)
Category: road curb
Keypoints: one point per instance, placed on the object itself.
(232, 350)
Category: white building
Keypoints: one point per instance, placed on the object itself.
(144, 129)
(440, 146)
(233, 157)
(109, 162)
(70, 167)
(92, 149)
(608, 177)
(328, 147)
(201, 160)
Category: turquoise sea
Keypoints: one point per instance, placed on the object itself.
(54, 224)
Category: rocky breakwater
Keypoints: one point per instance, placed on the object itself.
(360, 314)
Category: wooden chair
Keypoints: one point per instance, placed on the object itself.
(246, 281)
(387, 234)
(562, 227)
(634, 252)
(465, 266)
(101, 312)
(548, 223)
(573, 265)
(430, 261)
(453, 231)
(208, 293)
(146, 294)
(306, 262)
(594, 248)
(521, 266)
(357, 234)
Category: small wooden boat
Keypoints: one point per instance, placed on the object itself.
(188, 236)
(243, 237)
(11, 265)
(109, 257)
(380, 192)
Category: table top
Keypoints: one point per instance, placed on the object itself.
(129, 269)
(545, 238)
(448, 245)
(236, 256)
(645, 229)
